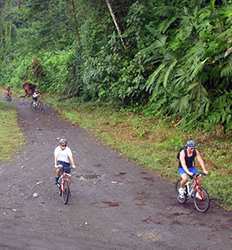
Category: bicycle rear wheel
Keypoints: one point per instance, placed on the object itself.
(40, 106)
(201, 200)
(33, 106)
(66, 193)
(181, 200)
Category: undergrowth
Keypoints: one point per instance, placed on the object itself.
(11, 138)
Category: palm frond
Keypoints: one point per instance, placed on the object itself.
(168, 72)
(226, 71)
(153, 77)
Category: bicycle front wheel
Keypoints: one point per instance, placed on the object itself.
(201, 200)
(66, 193)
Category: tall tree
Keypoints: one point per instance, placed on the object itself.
(108, 3)
(73, 9)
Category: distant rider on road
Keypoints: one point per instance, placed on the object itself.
(35, 96)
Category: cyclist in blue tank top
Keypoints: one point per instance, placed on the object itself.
(187, 166)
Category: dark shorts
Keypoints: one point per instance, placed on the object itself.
(192, 170)
(66, 166)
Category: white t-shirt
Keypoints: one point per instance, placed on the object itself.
(35, 95)
(62, 154)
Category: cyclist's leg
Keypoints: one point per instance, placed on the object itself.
(59, 171)
(184, 179)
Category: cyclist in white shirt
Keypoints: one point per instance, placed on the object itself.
(63, 157)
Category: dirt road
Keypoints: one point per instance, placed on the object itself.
(114, 205)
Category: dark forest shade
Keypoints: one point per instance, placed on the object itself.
(173, 57)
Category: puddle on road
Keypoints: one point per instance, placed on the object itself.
(140, 204)
(150, 220)
(152, 235)
(141, 198)
(111, 203)
(120, 174)
(148, 178)
(89, 176)
(97, 165)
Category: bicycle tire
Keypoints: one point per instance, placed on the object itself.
(40, 106)
(201, 200)
(8, 98)
(179, 199)
(60, 191)
(33, 106)
(66, 192)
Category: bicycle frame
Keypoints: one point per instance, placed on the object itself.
(194, 185)
(37, 105)
(65, 177)
(195, 191)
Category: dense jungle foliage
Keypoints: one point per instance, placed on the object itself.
(170, 58)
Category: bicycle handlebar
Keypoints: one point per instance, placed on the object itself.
(197, 174)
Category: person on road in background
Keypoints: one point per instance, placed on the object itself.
(35, 95)
(187, 166)
(29, 88)
(8, 93)
(63, 157)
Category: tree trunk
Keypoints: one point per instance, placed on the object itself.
(73, 9)
(115, 23)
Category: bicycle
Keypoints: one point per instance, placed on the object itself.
(8, 98)
(64, 185)
(194, 190)
(37, 106)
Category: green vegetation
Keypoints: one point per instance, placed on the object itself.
(154, 143)
(165, 58)
(11, 137)
(162, 60)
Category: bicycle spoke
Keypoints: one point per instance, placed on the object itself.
(201, 200)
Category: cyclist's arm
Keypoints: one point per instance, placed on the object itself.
(70, 156)
(55, 158)
(183, 163)
(201, 162)
(72, 161)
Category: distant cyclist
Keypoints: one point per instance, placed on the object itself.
(8, 93)
(35, 96)
(63, 157)
(187, 166)
(29, 88)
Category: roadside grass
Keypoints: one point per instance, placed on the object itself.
(11, 138)
(154, 143)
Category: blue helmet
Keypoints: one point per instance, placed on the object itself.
(191, 144)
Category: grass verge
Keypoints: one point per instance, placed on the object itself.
(154, 143)
(11, 137)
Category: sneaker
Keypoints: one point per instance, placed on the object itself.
(181, 193)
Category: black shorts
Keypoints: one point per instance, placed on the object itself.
(66, 166)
